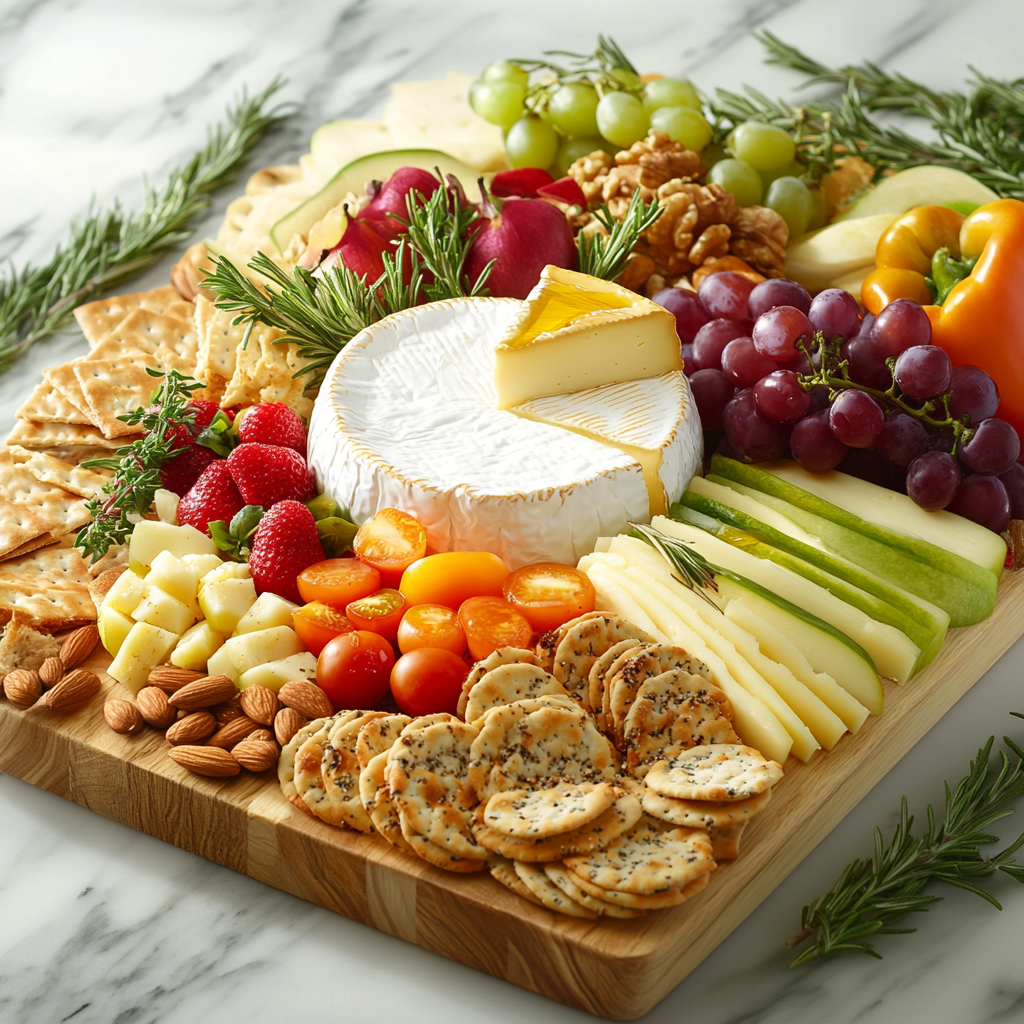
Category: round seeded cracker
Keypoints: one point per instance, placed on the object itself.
(309, 779)
(502, 656)
(659, 901)
(725, 771)
(548, 811)
(705, 814)
(376, 736)
(286, 762)
(598, 672)
(503, 870)
(508, 683)
(340, 769)
(558, 873)
(439, 856)
(376, 798)
(549, 894)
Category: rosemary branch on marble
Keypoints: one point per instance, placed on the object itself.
(109, 245)
(873, 895)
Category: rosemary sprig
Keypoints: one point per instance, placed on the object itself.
(108, 246)
(871, 896)
(606, 256)
(690, 567)
(129, 493)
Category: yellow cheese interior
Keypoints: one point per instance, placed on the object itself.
(561, 304)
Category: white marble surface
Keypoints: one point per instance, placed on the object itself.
(101, 924)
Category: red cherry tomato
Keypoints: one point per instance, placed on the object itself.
(548, 594)
(317, 624)
(354, 670)
(490, 623)
(338, 581)
(431, 625)
(379, 613)
(452, 576)
(391, 541)
(428, 680)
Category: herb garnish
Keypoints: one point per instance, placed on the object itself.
(606, 257)
(688, 565)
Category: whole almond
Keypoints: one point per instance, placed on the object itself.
(234, 732)
(122, 716)
(213, 761)
(261, 734)
(287, 722)
(306, 698)
(79, 645)
(227, 711)
(256, 755)
(170, 678)
(51, 672)
(203, 693)
(72, 691)
(152, 703)
(193, 728)
(260, 703)
(22, 687)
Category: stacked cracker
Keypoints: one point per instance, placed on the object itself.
(599, 775)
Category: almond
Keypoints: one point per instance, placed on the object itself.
(227, 711)
(22, 687)
(72, 691)
(256, 755)
(51, 672)
(152, 703)
(260, 703)
(192, 728)
(122, 716)
(202, 693)
(212, 761)
(306, 698)
(79, 645)
(287, 722)
(170, 678)
(234, 732)
(261, 734)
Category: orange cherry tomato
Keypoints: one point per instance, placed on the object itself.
(490, 623)
(391, 541)
(354, 670)
(450, 577)
(428, 680)
(338, 581)
(549, 593)
(379, 613)
(431, 625)
(317, 624)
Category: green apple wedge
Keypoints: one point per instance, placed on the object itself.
(927, 185)
(713, 500)
(964, 589)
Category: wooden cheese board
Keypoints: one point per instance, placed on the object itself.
(610, 968)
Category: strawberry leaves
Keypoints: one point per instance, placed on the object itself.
(235, 538)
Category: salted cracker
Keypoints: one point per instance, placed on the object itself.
(439, 856)
(47, 405)
(217, 340)
(507, 684)
(286, 762)
(63, 379)
(638, 901)
(20, 527)
(100, 317)
(503, 870)
(171, 341)
(726, 771)
(24, 647)
(114, 388)
(308, 778)
(376, 735)
(61, 511)
(46, 608)
(39, 436)
(58, 472)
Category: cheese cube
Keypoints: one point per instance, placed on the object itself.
(269, 610)
(226, 571)
(158, 608)
(274, 674)
(196, 646)
(202, 564)
(174, 577)
(220, 664)
(128, 590)
(252, 649)
(113, 626)
(150, 537)
(143, 649)
(226, 601)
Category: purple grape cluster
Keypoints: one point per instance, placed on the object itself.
(743, 350)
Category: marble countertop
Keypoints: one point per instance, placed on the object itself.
(99, 923)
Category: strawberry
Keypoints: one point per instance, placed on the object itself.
(205, 410)
(266, 474)
(213, 496)
(273, 423)
(286, 542)
(181, 472)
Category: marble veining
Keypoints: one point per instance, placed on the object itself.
(102, 924)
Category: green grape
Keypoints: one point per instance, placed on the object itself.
(712, 153)
(570, 150)
(794, 169)
(763, 146)
(789, 198)
(629, 79)
(670, 92)
(501, 103)
(505, 71)
(819, 212)
(572, 109)
(738, 177)
(621, 118)
(682, 124)
(531, 143)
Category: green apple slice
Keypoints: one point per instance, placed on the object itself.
(927, 185)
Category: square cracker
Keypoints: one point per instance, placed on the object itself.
(61, 510)
(64, 380)
(44, 607)
(20, 526)
(218, 341)
(264, 370)
(113, 388)
(49, 470)
(172, 341)
(60, 566)
(47, 405)
(98, 318)
(40, 436)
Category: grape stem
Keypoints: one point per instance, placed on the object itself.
(834, 373)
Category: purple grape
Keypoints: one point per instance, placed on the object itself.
(901, 325)
(753, 437)
(689, 366)
(780, 398)
(868, 464)
(856, 419)
(777, 292)
(993, 449)
(983, 500)
(711, 392)
(835, 313)
(902, 439)
(819, 398)
(690, 315)
(867, 367)
(1013, 481)
(743, 364)
(777, 332)
(933, 479)
(725, 295)
(975, 394)
(813, 444)
(923, 371)
(712, 338)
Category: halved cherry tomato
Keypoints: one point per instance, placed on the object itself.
(431, 625)
(549, 593)
(317, 624)
(450, 577)
(428, 680)
(354, 670)
(391, 541)
(379, 613)
(490, 623)
(338, 581)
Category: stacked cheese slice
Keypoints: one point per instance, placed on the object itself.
(409, 417)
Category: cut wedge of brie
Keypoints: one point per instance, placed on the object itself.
(576, 332)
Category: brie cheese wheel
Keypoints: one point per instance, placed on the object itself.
(576, 332)
(407, 418)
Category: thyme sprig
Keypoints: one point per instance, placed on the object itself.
(129, 493)
(873, 895)
(606, 256)
(688, 566)
(108, 246)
